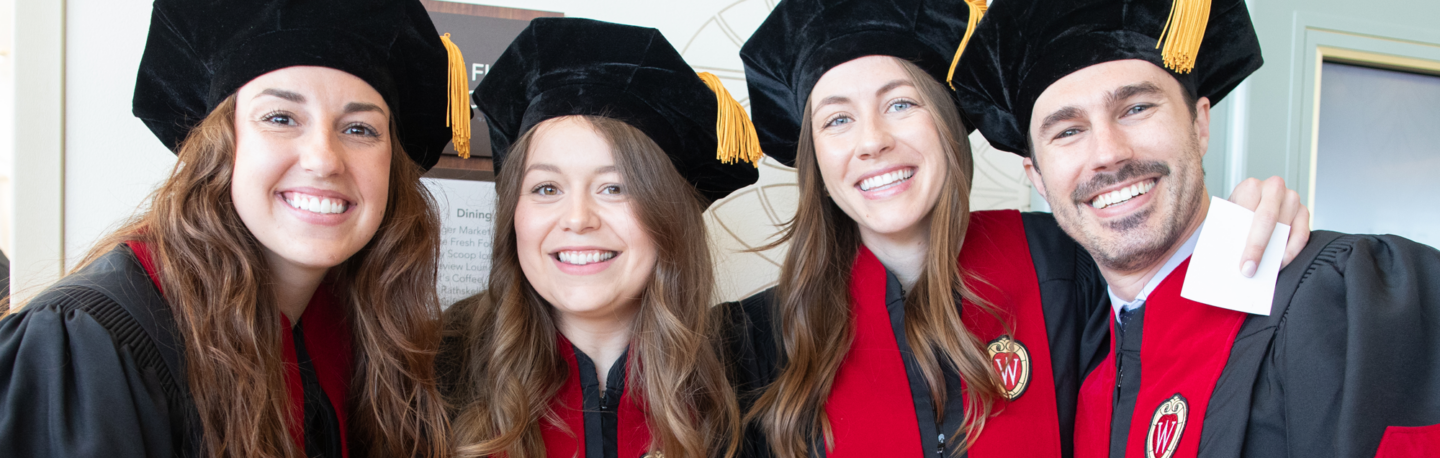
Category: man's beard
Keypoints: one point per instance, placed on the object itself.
(1127, 244)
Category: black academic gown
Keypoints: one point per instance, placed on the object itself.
(1071, 291)
(92, 367)
(1344, 366)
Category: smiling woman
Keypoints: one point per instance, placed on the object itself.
(285, 266)
(596, 338)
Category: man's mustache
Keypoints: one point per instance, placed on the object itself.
(1129, 171)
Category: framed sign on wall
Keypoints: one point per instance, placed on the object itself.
(482, 33)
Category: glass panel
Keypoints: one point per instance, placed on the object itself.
(1378, 164)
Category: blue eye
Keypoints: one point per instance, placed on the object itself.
(1137, 109)
(901, 105)
(838, 120)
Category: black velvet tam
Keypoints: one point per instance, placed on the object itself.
(803, 39)
(201, 51)
(569, 66)
(1020, 48)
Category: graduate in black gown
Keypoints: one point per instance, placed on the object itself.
(1114, 129)
(275, 296)
(594, 338)
(902, 321)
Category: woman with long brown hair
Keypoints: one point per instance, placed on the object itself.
(903, 324)
(275, 298)
(595, 336)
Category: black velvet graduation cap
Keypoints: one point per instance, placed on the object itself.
(569, 66)
(803, 39)
(199, 52)
(1022, 47)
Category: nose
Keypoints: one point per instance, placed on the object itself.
(875, 138)
(1112, 147)
(581, 215)
(322, 155)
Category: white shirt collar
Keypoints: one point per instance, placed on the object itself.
(1180, 256)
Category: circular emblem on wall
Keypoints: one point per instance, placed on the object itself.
(1166, 426)
(1012, 361)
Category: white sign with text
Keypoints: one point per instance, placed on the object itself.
(467, 222)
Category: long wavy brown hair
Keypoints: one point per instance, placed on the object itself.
(507, 364)
(814, 303)
(215, 279)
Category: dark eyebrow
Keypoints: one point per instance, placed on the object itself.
(1059, 116)
(1132, 90)
(353, 107)
(284, 94)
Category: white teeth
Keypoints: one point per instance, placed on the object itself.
(581, 258)
(1122, 195)
(314, 204)
(886, 179)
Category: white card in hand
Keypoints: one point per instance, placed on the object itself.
(1214, 276)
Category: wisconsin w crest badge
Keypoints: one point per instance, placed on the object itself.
(1013, 363)
(1166, 426)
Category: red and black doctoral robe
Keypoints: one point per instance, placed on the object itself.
(95, 368)
(1345, 365)
(595, 423)
(1046, 288)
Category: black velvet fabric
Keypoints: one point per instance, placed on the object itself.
(1020, 48)
(569, 66)
(803, 39)
(201, 51)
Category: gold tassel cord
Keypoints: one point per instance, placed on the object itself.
(734, 133)
(457, 114)
(1184, 31)
(977, 11)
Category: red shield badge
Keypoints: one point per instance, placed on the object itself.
(1166, 426)
(1012, 361)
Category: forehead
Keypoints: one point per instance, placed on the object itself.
(858, 76)
(1092, 86)
(569, 143)
(322, 82)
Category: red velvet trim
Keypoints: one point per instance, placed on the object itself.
(327, 340)
(293, 385)
(631, 427)
(566, 439)
(142, 254)
(1096, 406)
(997, 253)
(870, 409)
(1183, 350)
(632, 431)
(1409, 442)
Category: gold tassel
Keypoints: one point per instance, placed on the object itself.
(1183, 32)
(977, 11)
(734, 133)
(457, 116)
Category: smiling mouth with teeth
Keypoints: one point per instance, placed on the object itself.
(886, 179)
(581, 258)
(1122, 195)
(315, 204)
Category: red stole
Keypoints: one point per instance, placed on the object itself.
(870, 408)
(1183, 351)
(568, 439)
(327, 340)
